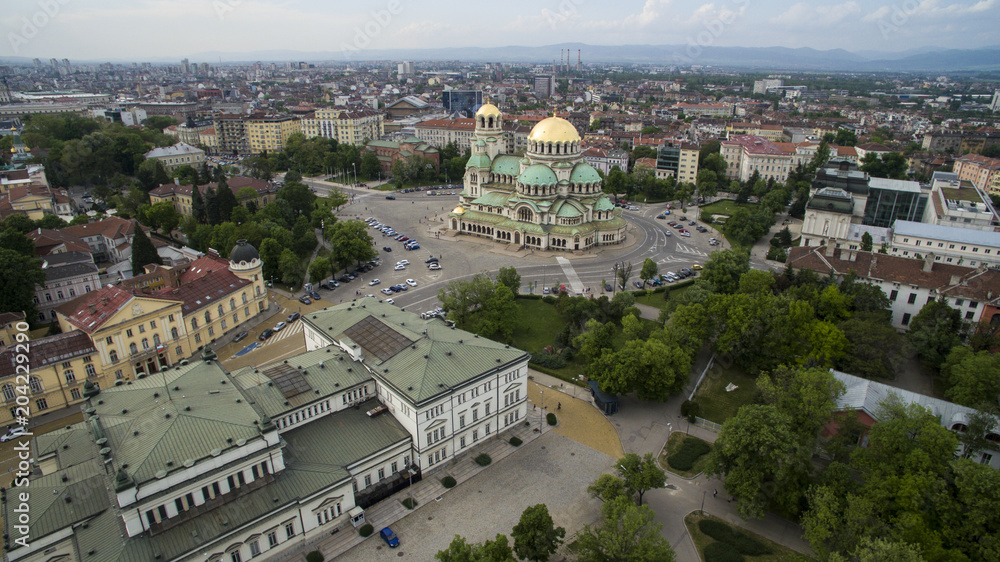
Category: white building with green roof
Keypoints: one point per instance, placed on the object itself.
(194, 463)
(550, 198)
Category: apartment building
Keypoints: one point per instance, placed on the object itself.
(949, 244)
(679, 161)
(231, 134)
(956, 202)
(180, 154)
(746, 154)
(67, 276)
(348, 126)
(982, 171)
(269, 133)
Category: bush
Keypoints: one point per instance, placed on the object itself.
(549, 299)
(483, 459)
(640, 292)
(366, 530)
(690, 409)
(691, 450)
(409, 503)
(315, 556)
(448, 482)
(530, 296)
(706, 217)
(551, 418)
(742, 542)
(548, 361)
(685, 407)
(721, 552)
(515, 441)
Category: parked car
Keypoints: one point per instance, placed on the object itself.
(13, 432)
(387, 248)
(388, 536)
(279, 326)
(713, 241)
(638, 284)
(403, 287)
(390, 197)
(661, 216)
(411, 282)
(386, 291)
(697, 267)
(266, 334)
(374, 282)
(390, 301)
(305, 300)
(240, 336)
(545, 290)
(293, 317)
(434, 266)
(413, 247)
(608, 287)
(431, 259)
(403, 262)
(315, 296)
(399, 267)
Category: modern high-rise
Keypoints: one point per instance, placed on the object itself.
(544, 85)
(464, 102)
(679, 161)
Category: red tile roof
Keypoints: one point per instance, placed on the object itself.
(111, 228)
(91, 311)
(47, 239)
(210, 289)
(50, 350)
(205, 264)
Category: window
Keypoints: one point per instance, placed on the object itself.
(35, 384)
(893, 295)
(461, 421)
(170, 317)
(368, 480)
(142, 329)
(487, 408)
(173, 333)
(289, 530)
(461, 442)
(959, 302)
(152, 324)
(74, 393)
(381, 474)
(235, 556)
(969, 315)
(41, 404)
(986, 459)
(272, 539)
(197, 338)
(393, 468)
(906, 319)
(912, 299)
(108, 340)
(70, 377)
(254, 549)
(128, 332)
(118, 374)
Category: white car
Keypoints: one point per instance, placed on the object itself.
(403, 262)
(279, 326)
(13, 433)
(411, 282)
(434, 266)
(374, 282)
(387, 291)
(390, 301)
(399, 267)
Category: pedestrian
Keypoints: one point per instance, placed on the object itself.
(559, 406)
(715, 493)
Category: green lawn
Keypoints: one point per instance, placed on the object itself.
(718, 405)
(779, 553)
(537, 328)
(725, 207)
(673, 445)
(656, 299)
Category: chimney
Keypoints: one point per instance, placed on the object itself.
(852, 255)
(955, 280)
(177, 181)
(929, 261)
(831, 245)
(92, 308)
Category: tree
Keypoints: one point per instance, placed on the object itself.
(509, 277)
(370, 165)
(496, 550)
(288, 266)
(874, 346)
(19, 276)
(935, 331)
(225, 200)
(649, 271)
(535, 536)
(807, 395)
(151, 174)
(319, 269)
(971, 377)
(163, 216)
(640, 475)
(299, 196)
(866, 242)
(757, 452)
(627, 532)
(716, 163)
(198, 205)
(845, 137)
(351, 243)
(654, 368)
(707, 183)
(16, 241)
(50, 221)
(891, 165)
(186, 175)
(623, 272)
(595, 338)
(143, 252)
(724, 269)
(607, 487)
(212, 215)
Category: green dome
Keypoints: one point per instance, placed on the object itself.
(584, 173)
(478, 161)
(603, 204)
(537, 174)
(506, 165)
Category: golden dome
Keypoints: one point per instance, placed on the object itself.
(459, 210)
(554, 129)
(488, 109)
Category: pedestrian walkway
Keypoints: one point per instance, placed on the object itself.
(571, 277)
(390, 510)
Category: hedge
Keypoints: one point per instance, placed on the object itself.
(448, 482)
(691, 450)
(315, 556)
(551, 418)
(409, 503)
(530, 296)
(721, 552)
(483, 459)
(366, 530)
(515, 441)
(742, 542)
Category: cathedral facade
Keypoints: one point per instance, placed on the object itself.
(548, 199)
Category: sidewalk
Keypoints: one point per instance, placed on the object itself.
(390, 510)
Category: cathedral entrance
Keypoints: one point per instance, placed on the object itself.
(517, 238)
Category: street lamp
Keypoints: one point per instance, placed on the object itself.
(355, 168)
(541, 406)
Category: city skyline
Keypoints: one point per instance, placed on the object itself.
(160, 30)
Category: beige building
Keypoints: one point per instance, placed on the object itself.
(269, 133)
(746, 154)
(354, 126)
(180, 154)
(982, 171)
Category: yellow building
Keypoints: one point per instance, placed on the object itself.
(180, 195)
(271, 131)
(59, 367)
(354, 126)
(34, 201)
(209, 140)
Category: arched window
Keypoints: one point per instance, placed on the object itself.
(133, 349)
(194, 323)
(8, 392)
(70, 377)
(113, 355)
(91, 372)
(232, 304)
(156, 340)
(524, 214)
(173, 333)
(244, 298)
(208, 317)
(35, 384)
(221, 310)
(145, 343)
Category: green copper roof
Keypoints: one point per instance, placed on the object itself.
(603, 204)
(537, 174)
(507, 165)
(495, 199)
(568, 209)
(478, 161)
(584, 173)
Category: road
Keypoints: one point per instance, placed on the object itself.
(421, 216)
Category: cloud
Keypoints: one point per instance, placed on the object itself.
(650, 14)
(811, 15)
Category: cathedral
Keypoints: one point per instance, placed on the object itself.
(550, 198)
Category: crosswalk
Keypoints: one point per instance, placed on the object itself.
(571, 277)
(689, 250)
(290, 331)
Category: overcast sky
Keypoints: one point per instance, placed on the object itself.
(138, 30)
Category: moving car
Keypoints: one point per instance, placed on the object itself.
(389, 537)
(661, 216)
(374, 282)
(387, 248)
(608, 287)
(667, 233)
(390, 197)
(697, 267)
(13, 432)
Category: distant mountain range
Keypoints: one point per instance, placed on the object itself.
(927, 59)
